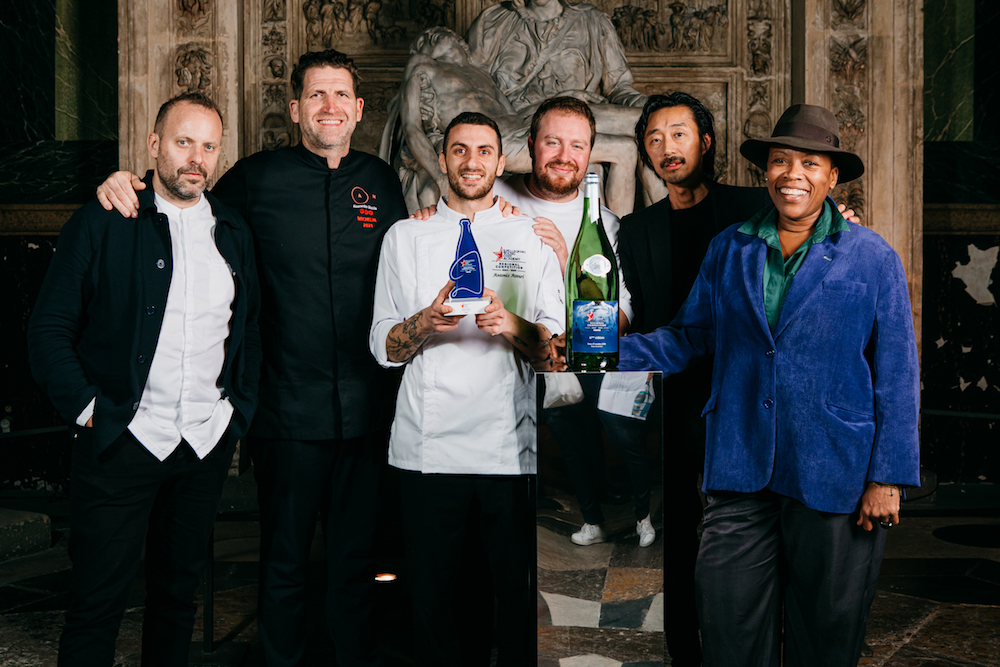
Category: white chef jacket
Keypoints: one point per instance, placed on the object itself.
(566, 216)
(467, 400)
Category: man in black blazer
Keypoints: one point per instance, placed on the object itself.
(145, 337)
(661, 248)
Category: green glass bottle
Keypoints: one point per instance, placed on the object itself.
(592, 291)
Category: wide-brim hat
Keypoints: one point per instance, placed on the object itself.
(806, 127)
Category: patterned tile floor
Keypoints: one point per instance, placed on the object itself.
(600, 606)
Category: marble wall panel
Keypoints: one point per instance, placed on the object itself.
(961, 172)
(986, 121)
(961, 357)
(27, 38)
(54, 172)
(57, 90)
(949, 67)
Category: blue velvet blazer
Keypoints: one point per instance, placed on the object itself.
(826, 403)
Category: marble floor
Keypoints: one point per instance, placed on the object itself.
(601, 606)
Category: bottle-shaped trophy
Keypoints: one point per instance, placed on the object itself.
(592, 291)
(466, 298)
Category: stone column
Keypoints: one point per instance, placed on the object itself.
(864, 61)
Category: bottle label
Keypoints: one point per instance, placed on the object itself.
(597, 265)
(595, 327)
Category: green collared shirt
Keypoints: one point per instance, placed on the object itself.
(778, 271)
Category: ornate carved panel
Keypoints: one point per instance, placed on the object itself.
(865, 65)
(168, 48)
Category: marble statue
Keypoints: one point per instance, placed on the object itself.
(530, 50)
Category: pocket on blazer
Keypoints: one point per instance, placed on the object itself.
(845, 287)
(850, 415)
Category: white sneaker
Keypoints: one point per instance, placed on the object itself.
(644, 529)
(590, 533)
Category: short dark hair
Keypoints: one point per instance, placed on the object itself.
(702, 117)
(472, 118)
(567, 105)
(329, 58)
(197, 98)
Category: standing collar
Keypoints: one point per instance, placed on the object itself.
(491, 214)
(147, 203)
(318, 161)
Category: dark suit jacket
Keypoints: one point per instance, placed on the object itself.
(97, 319)
(644, 249)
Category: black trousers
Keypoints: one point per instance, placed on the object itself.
(761, 552)
(438, 510)
(298, 482)
(120, 498)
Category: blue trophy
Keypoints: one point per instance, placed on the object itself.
(466, 298)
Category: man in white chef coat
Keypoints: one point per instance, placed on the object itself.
(464, 433)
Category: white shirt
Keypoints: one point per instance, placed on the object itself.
(183, 393)
(466, 404)
(566, 216)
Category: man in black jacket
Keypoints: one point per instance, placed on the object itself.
(661, 249)
(318, 212)
(145, 337)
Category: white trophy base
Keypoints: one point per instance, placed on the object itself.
(473, 306)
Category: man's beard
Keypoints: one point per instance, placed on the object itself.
(175, 186)
(549, 184)
(457, 185)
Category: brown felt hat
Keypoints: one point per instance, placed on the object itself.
(807, 128)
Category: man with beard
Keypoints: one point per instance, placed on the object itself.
(562, 134)
(464, 433)
(318, 212)
(145, 336)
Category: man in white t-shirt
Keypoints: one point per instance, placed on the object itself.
(463, 436)
(562, 133)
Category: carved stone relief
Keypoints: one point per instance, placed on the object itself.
(355, 25)
(848, 65)
(675, 27)
(850, 12)
(194, 15)
(759, 114)
(192, 67)
(273, 10)
(273, 72)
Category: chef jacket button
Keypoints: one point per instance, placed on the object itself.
(768, 404)
(150, 310)
(135, 406)
(769, 353)
(141, 359)
(160, 263)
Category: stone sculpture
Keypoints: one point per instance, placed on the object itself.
(530, 50)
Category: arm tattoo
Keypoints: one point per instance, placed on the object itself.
(404, 339)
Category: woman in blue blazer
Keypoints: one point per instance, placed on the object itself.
(812, 419)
